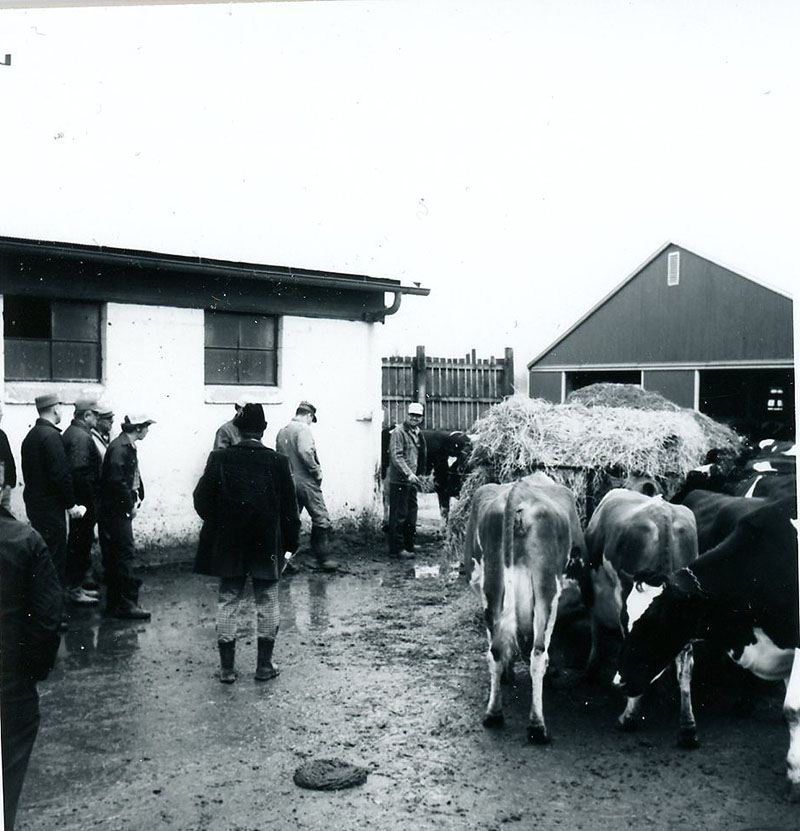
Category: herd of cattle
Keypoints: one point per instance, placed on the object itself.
(718, 562)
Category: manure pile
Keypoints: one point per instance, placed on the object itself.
(602, 434)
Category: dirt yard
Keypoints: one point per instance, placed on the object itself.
(382, 666)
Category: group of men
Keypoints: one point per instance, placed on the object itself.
(46, 566)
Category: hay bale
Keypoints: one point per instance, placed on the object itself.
(587, 448)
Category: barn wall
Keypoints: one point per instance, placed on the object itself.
(712, 315)
(677, 385)
(545, 385)
(154, 362)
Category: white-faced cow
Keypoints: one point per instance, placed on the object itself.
(633, 533)
(521, 536)
(743, 596)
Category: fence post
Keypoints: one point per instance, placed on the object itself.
(508, 372)
(420, 376)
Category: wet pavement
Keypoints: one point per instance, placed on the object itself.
(381, 666)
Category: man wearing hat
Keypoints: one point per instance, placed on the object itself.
(121, 494)
(86, 465)
(49, 490)
(246, 499)
(296, 441)
(407, 451)
(228, 433)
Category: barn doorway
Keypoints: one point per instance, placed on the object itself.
(579, 380)
(757, 403)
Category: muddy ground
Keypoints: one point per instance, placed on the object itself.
(382, 666)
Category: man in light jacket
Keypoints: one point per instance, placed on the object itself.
(407, 453)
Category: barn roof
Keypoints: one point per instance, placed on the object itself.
(135, 259)
(635, 273)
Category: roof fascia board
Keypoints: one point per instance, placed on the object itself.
(174, 262)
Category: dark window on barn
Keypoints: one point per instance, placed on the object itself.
(241, 348)
(51, 340)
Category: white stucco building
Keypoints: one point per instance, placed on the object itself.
(181, 338)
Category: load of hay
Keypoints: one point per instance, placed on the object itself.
(589, 447)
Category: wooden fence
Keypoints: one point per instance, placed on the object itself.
(456, 391)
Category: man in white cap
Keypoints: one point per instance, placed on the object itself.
(121, 494)
(228, 433)
(49, 490)
(407, 453)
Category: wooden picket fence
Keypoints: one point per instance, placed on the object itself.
(456, 391)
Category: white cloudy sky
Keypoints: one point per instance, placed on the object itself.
(517, 158)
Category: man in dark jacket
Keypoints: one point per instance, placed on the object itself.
(86, 465)
(49, 491)
(30, 610)
(406, 464)
(247, 501)
(121, 494)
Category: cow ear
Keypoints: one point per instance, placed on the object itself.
(626, 580)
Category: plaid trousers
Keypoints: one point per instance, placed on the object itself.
(231, 594)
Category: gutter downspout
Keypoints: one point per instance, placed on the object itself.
(373, 317)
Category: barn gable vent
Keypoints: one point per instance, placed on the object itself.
(673, 268)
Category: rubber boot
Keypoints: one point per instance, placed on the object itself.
(227, 657)
(265, 670)
(320, 546)
(128, 607)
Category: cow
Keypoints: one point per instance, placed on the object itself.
(716, 514)
(523, 535)
(447, 454)
(741, 595)
(632, 532)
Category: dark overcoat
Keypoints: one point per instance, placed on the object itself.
(246, 499)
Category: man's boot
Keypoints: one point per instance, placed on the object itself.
(264, 668)
(227, 657)
(320, 546)
(128, 608)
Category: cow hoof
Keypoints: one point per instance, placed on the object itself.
(627, 726)
(793, 794)
(538, 734)
(493, 720)
(687, 740)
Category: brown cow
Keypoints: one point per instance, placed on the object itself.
(520, 537)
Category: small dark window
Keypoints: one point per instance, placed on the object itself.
(51, 340)
(241, 348)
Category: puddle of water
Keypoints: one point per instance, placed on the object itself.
(426, 571)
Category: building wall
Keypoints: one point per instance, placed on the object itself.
(675, 384)
(545, 385)
(154, 362)
(712, 315)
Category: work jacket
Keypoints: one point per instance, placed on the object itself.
(296, 441)
(121, 485)
(45, 469)
(85, 462)
(246, 499)
(407, 451)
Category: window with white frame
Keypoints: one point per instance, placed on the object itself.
(51, 340)
(241, 348)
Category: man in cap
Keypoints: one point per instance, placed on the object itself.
(246, 499)
(296, 441)
(121, 494)
(228, 433)
(407, 453)
(8, 468)
(31, 605)
(86, 465)
(49, 490)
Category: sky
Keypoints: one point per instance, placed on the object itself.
(520, 159)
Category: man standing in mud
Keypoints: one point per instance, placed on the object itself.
(121, 494)
(407, 453)
(31, 605)
(246, 499)
(296, 441)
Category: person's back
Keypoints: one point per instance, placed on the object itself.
(30, 611)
